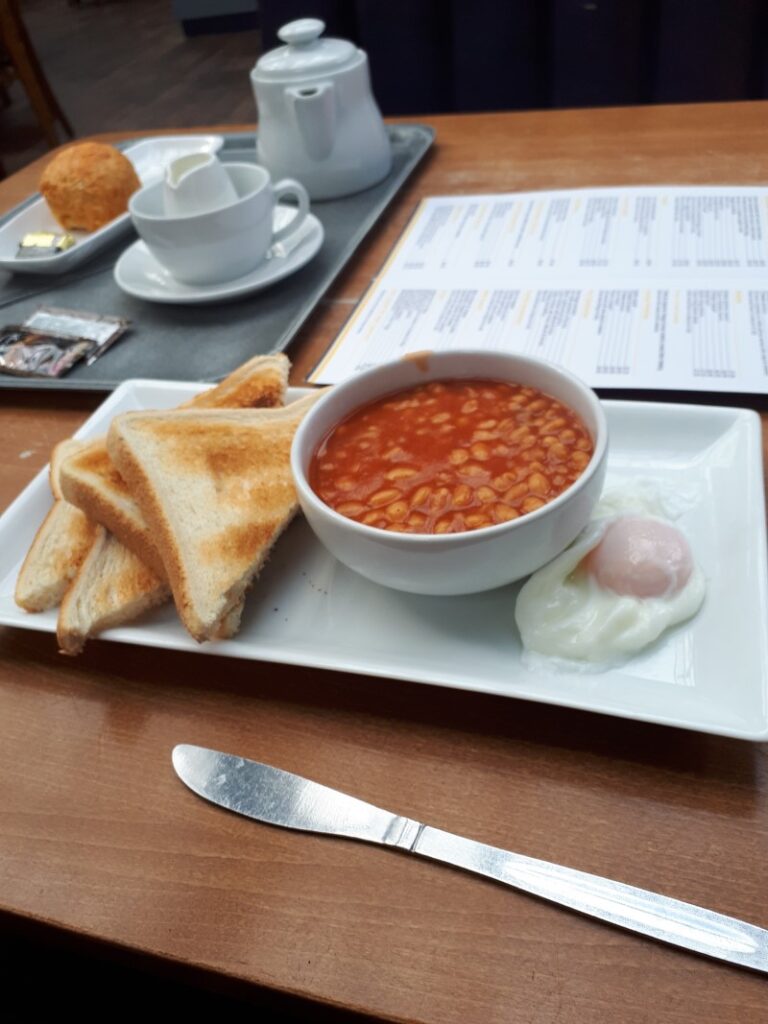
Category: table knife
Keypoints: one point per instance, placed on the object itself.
(278, 797)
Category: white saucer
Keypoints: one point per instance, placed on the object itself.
(139, 274)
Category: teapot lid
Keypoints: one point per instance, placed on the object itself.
(305, 53)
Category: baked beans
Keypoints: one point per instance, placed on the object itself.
(450, 456)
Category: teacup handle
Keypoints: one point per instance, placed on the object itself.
(289, 187)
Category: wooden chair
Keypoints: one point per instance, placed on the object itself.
(16, 44)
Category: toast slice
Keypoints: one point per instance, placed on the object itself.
(61, 452)
(117, 582)
(258, 384)
(216, 489)
(111, 588)
(90, 480)
(59, 546)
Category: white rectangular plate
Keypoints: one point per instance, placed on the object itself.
(149, 158)
(709, 674)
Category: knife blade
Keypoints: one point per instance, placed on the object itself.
(281, 798)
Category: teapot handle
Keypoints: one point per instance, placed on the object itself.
(314, 107)
(290, 187)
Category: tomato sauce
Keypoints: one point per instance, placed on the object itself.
(450, 456)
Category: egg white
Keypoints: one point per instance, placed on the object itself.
(563, 614)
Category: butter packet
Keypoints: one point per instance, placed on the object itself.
(98, 328)
(28, 353)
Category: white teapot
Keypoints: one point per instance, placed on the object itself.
(318, 120)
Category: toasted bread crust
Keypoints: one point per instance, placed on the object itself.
(90, 481)
(213, 445)
(62, 451)
(111, 588)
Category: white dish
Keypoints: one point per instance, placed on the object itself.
(138, 273)
(709, 674)
(149, 158)
(469, 561)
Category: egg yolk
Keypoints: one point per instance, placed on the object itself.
(640, 557)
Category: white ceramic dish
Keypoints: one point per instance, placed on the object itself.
(454, 563)
(138, 273)
(708, 675)
(150, 159)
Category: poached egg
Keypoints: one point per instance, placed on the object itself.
(629, 576)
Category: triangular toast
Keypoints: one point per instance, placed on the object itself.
(69, 537)
(61, 452)
(216, 489)
(112, 587)
(90, 481)
(59, 546)
(258, 384)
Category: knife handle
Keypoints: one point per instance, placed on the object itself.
(661, 918)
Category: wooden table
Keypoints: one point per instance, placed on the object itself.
(98, 837)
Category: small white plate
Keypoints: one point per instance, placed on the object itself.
(150, 158)
(710, 674)
(139, 274)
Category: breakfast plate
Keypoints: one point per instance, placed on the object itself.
(709, 674)
(138, 273)
(149, 159)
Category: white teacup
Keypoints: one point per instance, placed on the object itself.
(196, 183)
(224, 243)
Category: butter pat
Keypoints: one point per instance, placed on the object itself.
(44, 243)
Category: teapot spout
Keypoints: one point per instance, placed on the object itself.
(314, 107)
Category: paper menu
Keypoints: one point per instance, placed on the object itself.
(663, 287)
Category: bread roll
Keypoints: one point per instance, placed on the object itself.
(87, 185)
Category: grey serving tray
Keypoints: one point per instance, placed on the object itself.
(204, 343)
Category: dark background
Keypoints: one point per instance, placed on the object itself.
(134, 64)
(434, 56)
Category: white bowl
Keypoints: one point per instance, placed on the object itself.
(453, 563)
